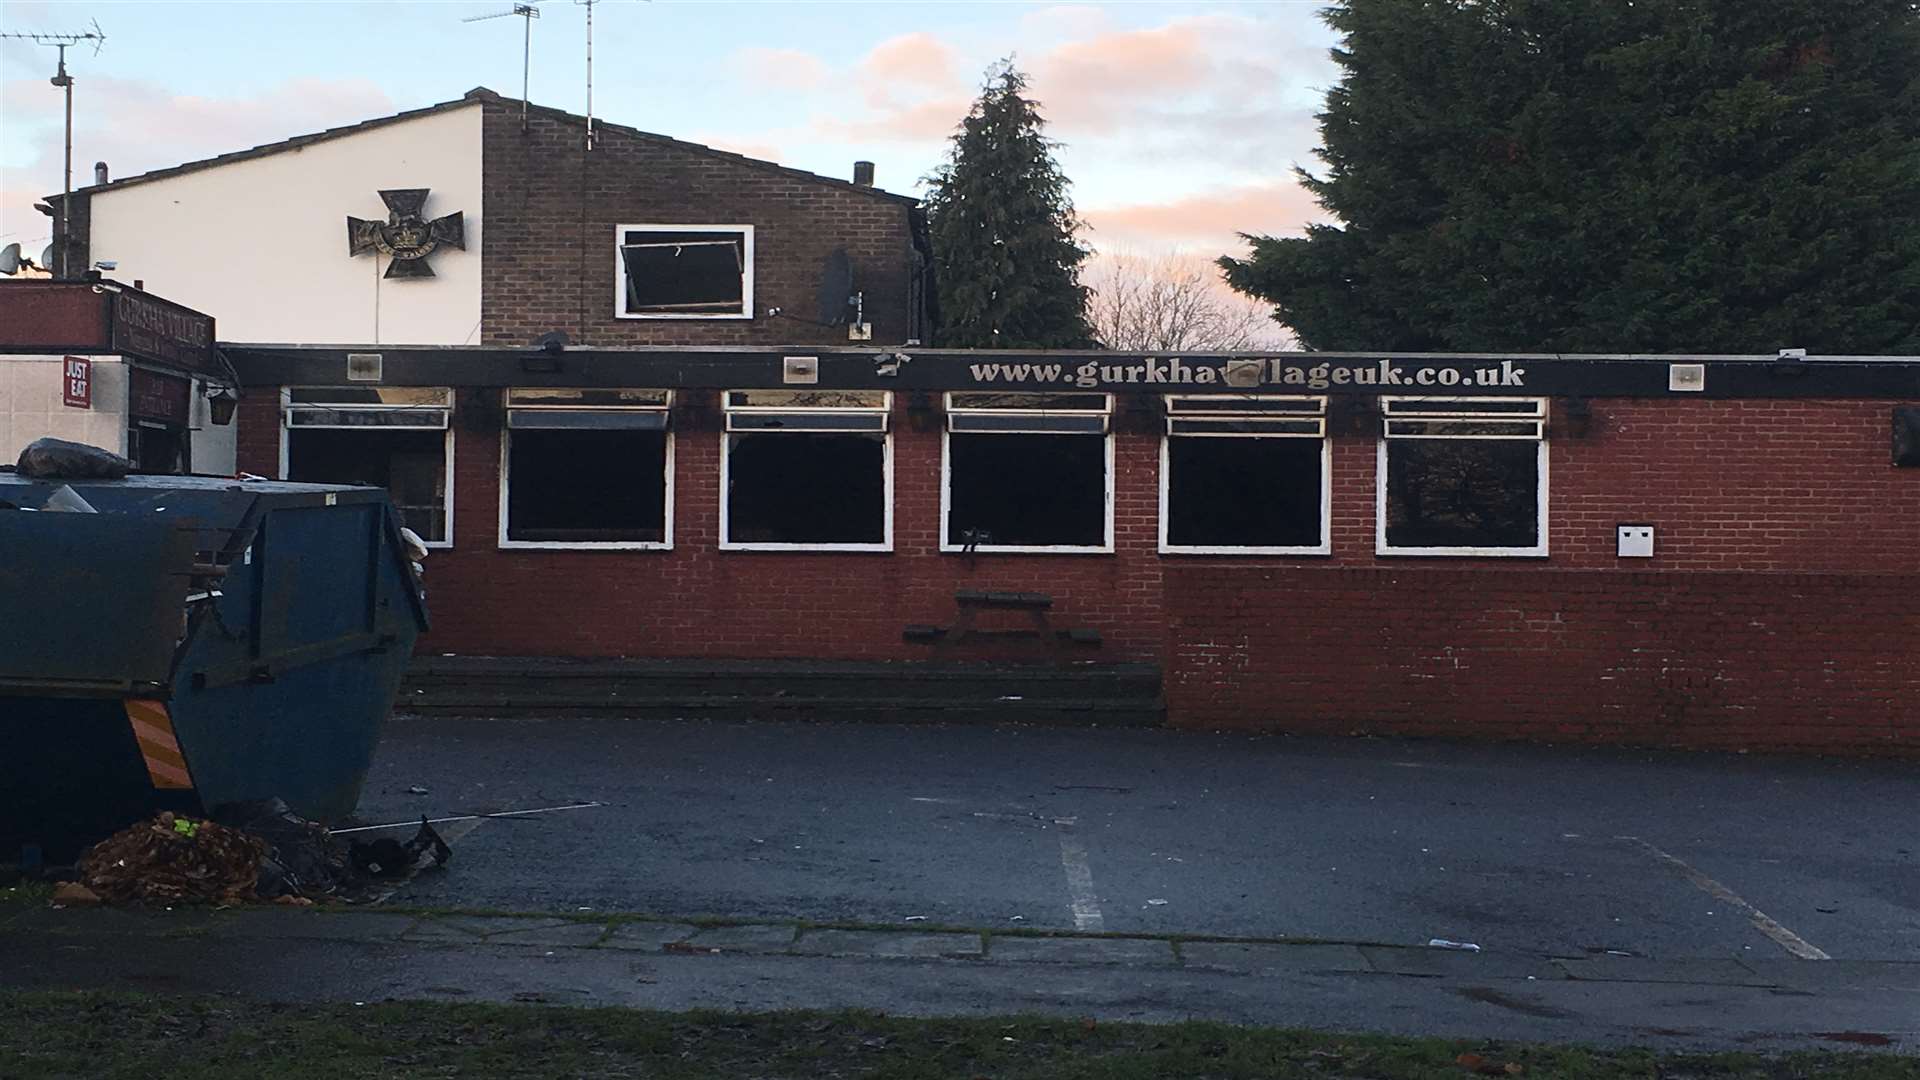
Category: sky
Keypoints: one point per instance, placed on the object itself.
(1179, 123)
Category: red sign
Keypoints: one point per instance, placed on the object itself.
(152, 396)
(76, 382)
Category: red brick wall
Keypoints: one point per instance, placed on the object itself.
(697, 600)
(1720, 660)
(551, 209)
(1777, 613)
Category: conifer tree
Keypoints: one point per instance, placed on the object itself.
(1005, 250)
(1599, 176)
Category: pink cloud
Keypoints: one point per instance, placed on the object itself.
(924, 120)
(1207, 221)
(918, 59)
(137, 126)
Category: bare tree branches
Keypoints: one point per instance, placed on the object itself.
(1171, 303)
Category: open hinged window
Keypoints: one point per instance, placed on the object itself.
(587, 469)
(1462, 476)
(683, 272)
(1245, 474)
(806, 470)
(392, 437)
(1027, 472)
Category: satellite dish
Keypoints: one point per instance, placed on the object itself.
(46, 257)
(836, 288)
(10, 260)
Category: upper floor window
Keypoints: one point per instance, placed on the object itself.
(684, 271)
(1463, 476)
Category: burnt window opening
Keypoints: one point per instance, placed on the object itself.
(410, 464)
(587, 487)
(1245, 472)
(807, 469)
(1027, 470)
(806, 488)
(1454, 482)
(1026, 490)
(588, 467)
(674, 272)
(1245, 493)
(388, 437)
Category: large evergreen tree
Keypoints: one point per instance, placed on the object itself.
(1003, 228)
(1601, 176)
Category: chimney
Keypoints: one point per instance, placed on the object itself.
(99, 172)
(863, 173)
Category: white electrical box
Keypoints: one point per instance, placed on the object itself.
(1636, 541)
(1686, 377)
(800, 370)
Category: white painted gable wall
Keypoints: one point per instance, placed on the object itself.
(261, 244)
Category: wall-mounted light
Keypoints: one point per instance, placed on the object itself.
(221, 404)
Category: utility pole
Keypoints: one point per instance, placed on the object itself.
(61, 253)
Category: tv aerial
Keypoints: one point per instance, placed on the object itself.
(64, 81)
(527, 13)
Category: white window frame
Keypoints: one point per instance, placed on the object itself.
(620, 272)
(946, 476)
(286, 431)
(1464, 412)
(1253, 410)
(665, 543)
(727, 432)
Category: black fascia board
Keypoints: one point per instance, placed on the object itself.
(910, 368)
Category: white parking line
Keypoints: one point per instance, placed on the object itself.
(1073, 859)
(1781, 936)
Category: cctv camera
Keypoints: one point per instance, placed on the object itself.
(106, 264)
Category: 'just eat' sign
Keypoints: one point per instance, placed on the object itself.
(76, 383)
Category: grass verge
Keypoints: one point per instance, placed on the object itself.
(116, 1035)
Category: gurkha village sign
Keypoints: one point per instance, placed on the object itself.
(407, 236)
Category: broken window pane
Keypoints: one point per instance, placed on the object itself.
(587, 486)
(1234, 492)
(411, 465)
(672, 272)
(806, 488)
(1463, 493)
(1027, 490)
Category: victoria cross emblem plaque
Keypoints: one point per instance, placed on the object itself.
(407, 236)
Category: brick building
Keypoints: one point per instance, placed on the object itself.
(670, 403)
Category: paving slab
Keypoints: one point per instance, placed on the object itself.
(1265, 958)
(318, 925)
(1459, 963)
(1838, 974)
(750, 938)
(890, 945)
(1643, 969)
(647, 936)
(1064, 950)
(572, 934)
(469, 928)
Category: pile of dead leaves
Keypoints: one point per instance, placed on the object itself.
(174, 860)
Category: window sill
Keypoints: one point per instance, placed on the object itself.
(821, 548)
(738, 316)
(584, 545)
(1170, 549)
(998, 549)
(1463, 553)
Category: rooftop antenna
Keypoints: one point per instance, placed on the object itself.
(589, 6)
(527, 13)
(65, 82)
